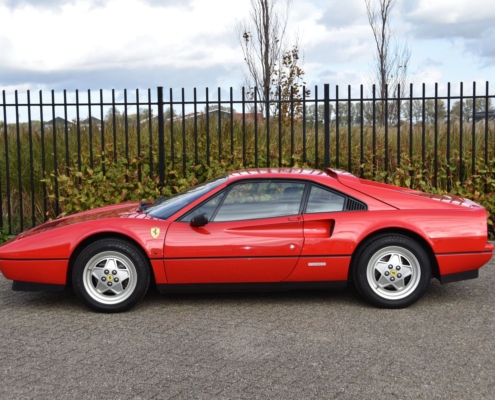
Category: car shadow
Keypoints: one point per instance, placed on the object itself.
(69, 301)
(348, 297)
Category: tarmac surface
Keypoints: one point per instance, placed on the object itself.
(293, 345)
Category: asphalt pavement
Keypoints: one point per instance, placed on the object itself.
(293, 345)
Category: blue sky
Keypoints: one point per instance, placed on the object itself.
(93, 44)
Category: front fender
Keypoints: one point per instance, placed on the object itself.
(60, 242)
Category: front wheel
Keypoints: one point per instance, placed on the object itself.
(392, 271)
(110, 275)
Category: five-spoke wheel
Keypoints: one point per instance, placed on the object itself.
(392, 271)
(110, 275)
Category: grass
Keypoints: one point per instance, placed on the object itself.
(33, 153)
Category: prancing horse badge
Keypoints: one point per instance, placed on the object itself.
(155, 232)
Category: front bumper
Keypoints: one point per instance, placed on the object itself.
(18, 286)
(36, 271)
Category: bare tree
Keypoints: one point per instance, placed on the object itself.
(262, 37)
(391, 62)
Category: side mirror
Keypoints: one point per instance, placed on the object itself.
(199, 220)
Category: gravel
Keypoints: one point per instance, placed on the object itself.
(256, 345)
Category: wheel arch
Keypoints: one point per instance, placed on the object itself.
(397, 231)
(104, 235)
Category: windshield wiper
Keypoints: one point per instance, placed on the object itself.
(143, 206)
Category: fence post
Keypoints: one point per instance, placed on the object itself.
(326, 121)
(161, 137)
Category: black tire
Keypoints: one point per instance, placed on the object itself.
(392, 271)
(111, 275)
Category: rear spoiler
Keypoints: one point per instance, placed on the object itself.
(342, 176)
(348, 179)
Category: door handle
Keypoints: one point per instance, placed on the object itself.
(296, 218)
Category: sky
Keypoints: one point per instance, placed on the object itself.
(117, 44)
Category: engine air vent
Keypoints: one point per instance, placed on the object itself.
(354, 205)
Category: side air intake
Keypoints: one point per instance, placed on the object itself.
(354, 205)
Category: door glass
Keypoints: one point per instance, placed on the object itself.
(256, 200)
(322, 200)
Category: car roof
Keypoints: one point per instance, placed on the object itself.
(288, 173)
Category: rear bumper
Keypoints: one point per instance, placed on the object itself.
(459, 266)
(460, 276)
(53, 272)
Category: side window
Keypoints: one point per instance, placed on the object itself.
(322, 201)
(256, 200)
(209, 208)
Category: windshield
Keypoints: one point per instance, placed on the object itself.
(167, 207)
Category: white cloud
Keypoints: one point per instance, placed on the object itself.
(429, 76)
(128, 32)
(143, 43)
(343, 13)
(466, 24)
(450, 18)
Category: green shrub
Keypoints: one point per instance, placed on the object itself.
(113, 178)
(4, 236)
(113, 182)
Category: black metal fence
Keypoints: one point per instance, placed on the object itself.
(444, 138)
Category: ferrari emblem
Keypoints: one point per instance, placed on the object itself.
(155, 232)
(110, 277)
(393, 273)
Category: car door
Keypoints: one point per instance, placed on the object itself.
(254, 234)
(324, 257)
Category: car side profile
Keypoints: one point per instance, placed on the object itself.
(258, 229)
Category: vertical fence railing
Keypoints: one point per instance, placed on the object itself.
(435, 151)
(31, 160)
(256, 128)
(486, 124)
(267, 107)
(138, 133)
(19, 166)
(102, 125)
(280, 150)
(7, 165)
(184, 156)
(161, 137)
(361, 132)
(231, 125)
(386, 128)
(150, 133)
(439, 139)
(337, 126)
(43, 162)
(304, 124)
(449, 184)
(461, 133)
(349, 128)
(326, 118)
(373, 165)
(316, 119)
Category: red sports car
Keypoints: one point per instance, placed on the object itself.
(259, 229)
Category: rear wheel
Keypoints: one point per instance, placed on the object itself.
(111, 275)
(392, 271)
